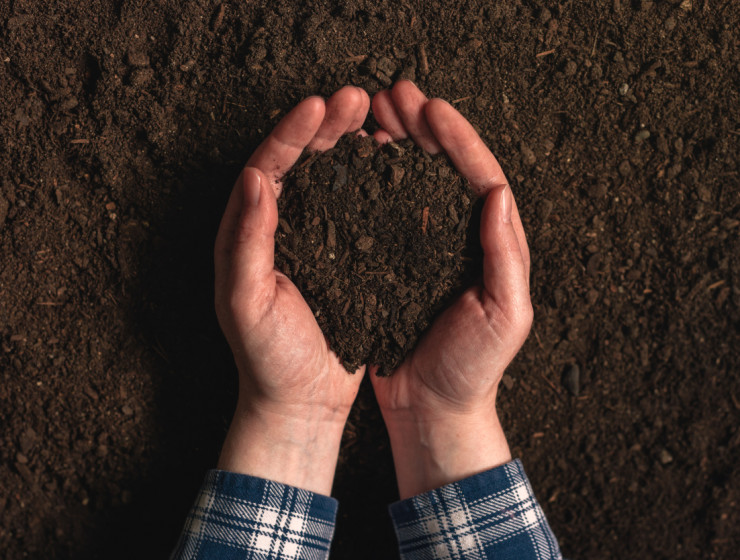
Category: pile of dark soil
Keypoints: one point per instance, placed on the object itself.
(375, 238)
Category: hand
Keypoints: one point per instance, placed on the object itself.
(439, 406)
(294, 394)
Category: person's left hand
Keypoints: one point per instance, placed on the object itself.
(294, 394)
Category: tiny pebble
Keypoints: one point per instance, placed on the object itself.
(570, 68)
(364, 243)
(665, 457)
(625, 169)
(624, 89)
(127, 410)
(21, 458)
(572, 380)
(187, 66)
(642, 135)
(670, 23)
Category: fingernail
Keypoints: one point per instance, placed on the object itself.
(252, 186)
(506, 204)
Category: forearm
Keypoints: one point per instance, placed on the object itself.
(432, 451)
(277, 446)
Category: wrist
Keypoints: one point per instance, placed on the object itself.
(430, 451)
(294, 447)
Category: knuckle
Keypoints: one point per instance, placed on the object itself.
(526, 317)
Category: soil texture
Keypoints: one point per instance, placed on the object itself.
(376, 239)
(123, 126)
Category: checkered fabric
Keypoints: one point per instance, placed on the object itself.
(490, 515)
(245, 517)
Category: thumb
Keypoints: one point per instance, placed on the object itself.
(253, 252)
(504, 273)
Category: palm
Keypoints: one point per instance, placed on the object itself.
(290, 346)
(280, 351)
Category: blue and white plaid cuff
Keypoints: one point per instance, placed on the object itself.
(493, 514)
(245, 517)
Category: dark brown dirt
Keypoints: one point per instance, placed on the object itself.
(124, 124)
(377, 240)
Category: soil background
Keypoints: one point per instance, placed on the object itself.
(122, 128)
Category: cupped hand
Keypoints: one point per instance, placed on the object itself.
(439, 406)
(294, 394)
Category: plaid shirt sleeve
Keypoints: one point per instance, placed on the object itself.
(245, 517)
(493, 514)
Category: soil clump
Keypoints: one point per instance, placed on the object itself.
(377, 240)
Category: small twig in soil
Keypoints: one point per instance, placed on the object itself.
(236, 104)
(544, 53)
(539, 342)
(423, 60)
(218, 18)
(456, 101)
(309, 160)
(355, 59)
(551, 385)
(424, 219)
(715, 285)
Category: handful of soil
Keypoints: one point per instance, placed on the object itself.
(378, 239)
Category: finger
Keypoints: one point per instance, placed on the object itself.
(253, 253)
(225, 237)
(343, 110)
(471, 157)
(409, 102)
(504, 272)
(361, 114)
(382, 137)
(282, 148)
(387, 116)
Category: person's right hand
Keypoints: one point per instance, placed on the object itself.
(439, 405)
(294, 393)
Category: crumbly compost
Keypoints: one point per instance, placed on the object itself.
(378, 239)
